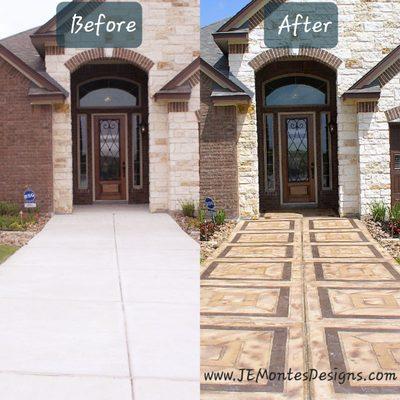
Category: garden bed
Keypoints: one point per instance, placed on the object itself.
(18, 227)
(383, 223)
(221, 235)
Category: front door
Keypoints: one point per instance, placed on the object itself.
(298, 160)
(110, 157)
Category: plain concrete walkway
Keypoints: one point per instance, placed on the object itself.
(103, 304)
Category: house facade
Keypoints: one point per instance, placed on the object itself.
(80, 126)
(303, 127)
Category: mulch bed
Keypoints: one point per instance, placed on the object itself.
(220, 236)
(21, 238)
(381, 234)
(187, 225)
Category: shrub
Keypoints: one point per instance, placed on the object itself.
(7, 208)
(378, 211)
(201, 215)
(394, 213)
(207, 229)
(188, 208)
(17, 222)
(220, 217)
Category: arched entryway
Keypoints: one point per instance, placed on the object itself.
(109, 103)
(297, 136)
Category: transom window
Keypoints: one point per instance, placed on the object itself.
(296, 91)
(108, 93)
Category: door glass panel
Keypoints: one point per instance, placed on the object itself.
(137, 151)
(82, 152)
(110, 168)
(297, 149)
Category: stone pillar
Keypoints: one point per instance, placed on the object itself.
(374, 159)
(348, 159)
(183, 145)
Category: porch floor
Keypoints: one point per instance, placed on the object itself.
(102, 304)
(300, 293)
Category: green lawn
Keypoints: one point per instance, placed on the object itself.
(6, 251)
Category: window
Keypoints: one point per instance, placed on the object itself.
(326, 161)
(397, 161)
(82, 152)
(269, 152)
(137, 151)
(295, 91)
(108, 93)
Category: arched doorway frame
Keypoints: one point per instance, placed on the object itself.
(286, 66)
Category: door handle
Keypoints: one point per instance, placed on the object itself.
(312, 170)
(123, 169)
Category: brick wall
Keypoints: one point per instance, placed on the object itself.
(25, 142)
(218, 152)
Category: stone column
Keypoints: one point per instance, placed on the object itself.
(373, 141)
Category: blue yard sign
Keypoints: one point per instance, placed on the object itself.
(29, 199)
(209, 202)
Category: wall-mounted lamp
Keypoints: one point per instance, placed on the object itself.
(332, 126)
(143, 127)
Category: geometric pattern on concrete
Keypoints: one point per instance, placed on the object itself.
(252, 311)
(256, 285)
(378, 350)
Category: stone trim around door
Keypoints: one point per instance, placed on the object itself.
(99, 54)
(273, 55)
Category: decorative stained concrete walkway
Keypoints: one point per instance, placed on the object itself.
(101, 305)
(301, 293)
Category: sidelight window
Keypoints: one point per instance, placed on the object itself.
(269, 152)
(82, 152)
(137, 156)
(326, 155)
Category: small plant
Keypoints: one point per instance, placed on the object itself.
(207, 229)
(394, 213)
(188, 208)
(378, 211)
(201, 215)
(220, 217)
(7, 208)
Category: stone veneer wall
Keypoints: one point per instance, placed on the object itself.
(183, 143)
(171, 41)
(369, 29)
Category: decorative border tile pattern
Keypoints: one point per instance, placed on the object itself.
(319, 272)
(286, 275)
(327, 310)
(277, 361)
(337, 360)
(282, 309)
(289, 251)
(372, 248)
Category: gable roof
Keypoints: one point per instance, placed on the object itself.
(18, 51)
(242, 16)
(377, 77)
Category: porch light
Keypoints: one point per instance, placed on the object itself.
(108, 99)
(143, 127)
(332, 127)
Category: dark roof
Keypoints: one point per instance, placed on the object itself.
(213, 55)
(210, 52)
(20, 45)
